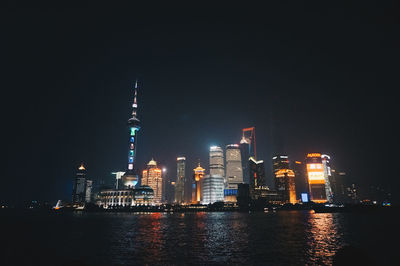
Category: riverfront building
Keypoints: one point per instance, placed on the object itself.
(213, 189)
(180, 180)
(152, 177)
(234, 172)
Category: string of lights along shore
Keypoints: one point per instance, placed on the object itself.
(235, 177)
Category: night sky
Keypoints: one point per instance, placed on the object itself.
(310, 78)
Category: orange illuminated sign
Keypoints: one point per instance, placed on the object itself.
(313, 155)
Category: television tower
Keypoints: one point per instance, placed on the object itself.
(130, 178)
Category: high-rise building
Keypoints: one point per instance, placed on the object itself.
(213, 189)
(152, 177)
(118, 178)
(285, 186)
(247, 149)
(280, 162)
(327, 175)
(234, 172)
(197, 184)
(245, 155)
(257, 173)
(79, 186)
(88, 190)
(301, 180)
(180, 180)
(130, 178)
(217, 161)
(316, 178)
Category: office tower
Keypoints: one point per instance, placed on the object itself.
(327, 175)
(118, 178)
(130, 178)
(79, 186)
(213, 189)
(280, 162)
(234, 172)
(180, 180)
(88, 190)
(197, 184)
(285, 186)
(257, 173)
(152, 177)
(217, 161)
(247, 149)
(301, 180)
(316, 178)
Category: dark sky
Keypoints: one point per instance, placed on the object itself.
(308, 77)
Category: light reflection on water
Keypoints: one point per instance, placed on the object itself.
(281, 238)
(239, 238)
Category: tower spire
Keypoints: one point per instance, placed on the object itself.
(134, 105)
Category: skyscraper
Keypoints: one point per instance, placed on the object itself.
(213, 189)
(316, 178)
(301, 179)
(245, 155)
(280, 162)
(247, 149)
(197, 184)
(79, 186)
(327, 175)
(180, 180)
(234, 172)
(152, 177)
(285, 186)
(257, 173)
(130, 178)
(217, 161)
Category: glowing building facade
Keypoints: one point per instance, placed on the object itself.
(213, 189)
(217, 162)
(285, 185)
(152, 177)
(180, 180)
(316, 178)
(327, 175)
(79, 189)
(280, 162)
(257, 173)
(197, 184)
(234, 172)
(130, 178)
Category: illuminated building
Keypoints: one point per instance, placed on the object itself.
(316, 178)
(152, 177)
(213, 189)
(217, 161)
(197, 184)
(285, 186)
(247, 149)
(327, 175)
(234, 172)
(88, 191)
(118, 178)
(130, 178)
(280, 162)
(301, 180)
(180, 180)
(257, 173)
(112, 198)
(79, 186)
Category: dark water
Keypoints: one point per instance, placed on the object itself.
(281, 238)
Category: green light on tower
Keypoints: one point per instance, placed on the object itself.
(133, 131)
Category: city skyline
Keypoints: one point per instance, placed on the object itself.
(310, 84)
